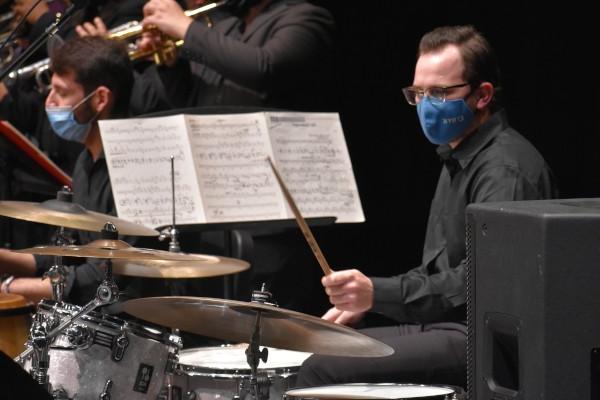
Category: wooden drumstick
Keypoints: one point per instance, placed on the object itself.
(312, 242)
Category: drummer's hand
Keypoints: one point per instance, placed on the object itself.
(349, 290)
(343, 317)
(168, 17)
(97, 28)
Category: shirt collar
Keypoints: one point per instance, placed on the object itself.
(474, 143)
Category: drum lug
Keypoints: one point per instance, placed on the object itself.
(119, 346)
(105, 395)
(79, 336)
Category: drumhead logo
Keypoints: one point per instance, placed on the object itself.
(143, 378)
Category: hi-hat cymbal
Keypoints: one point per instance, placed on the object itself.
(108, 248)
(70, 215)
(201, 266)
(234, 321)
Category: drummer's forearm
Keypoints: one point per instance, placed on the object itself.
(18, 264)
(34, 289)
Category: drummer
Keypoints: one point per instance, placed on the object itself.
(484, 159)
(92, 80)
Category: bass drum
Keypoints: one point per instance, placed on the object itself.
(214, 373)
(100, 356)
(15, 319)
(382, 391)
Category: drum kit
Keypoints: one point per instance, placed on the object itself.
(78, 352)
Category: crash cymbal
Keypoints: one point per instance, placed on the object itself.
(70, 215)
(234, 321)
(201, 266)
(108, 248)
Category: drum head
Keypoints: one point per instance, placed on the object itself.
(233, 358)
(386, 391)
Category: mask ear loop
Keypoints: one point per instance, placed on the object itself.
(82, 101)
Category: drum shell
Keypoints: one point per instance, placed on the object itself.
(225, 381)
(82, 371)
(15, 320)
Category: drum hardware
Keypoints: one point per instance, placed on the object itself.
(45, 329)
(105, 395)
(136, 373)
(58, 272)
(259, 382)
(171, 232)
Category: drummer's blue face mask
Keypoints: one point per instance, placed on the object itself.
(443, 120)
(63, 122)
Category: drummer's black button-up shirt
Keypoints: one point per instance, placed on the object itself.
(495, 163)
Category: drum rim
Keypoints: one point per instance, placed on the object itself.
(456, 390)
(235, 372)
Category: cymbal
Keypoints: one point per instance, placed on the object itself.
(234, 321)
(108, 248)
(201, 266)
(70, 215)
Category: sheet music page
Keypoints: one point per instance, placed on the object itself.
(235, 180)
(138, 153)
(313, 160)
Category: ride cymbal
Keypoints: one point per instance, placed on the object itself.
(234, 321)
(70, 215)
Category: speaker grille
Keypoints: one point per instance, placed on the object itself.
(470, 263)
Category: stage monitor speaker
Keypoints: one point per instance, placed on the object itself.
(533, 304)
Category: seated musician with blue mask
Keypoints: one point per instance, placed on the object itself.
(92, 80)
(484, 159)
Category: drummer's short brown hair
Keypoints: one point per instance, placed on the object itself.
(97, 61)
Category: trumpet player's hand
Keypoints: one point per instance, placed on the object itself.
(349, 290)
(94, 28)
(168, 17)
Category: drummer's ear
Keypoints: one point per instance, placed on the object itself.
(102, 101)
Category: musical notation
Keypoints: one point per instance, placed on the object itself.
(221, 174)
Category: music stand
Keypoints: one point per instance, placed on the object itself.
(233, 240)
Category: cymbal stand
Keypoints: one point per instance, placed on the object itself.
(259, 382)
(58, 272)
(46, 328)
(173, 234)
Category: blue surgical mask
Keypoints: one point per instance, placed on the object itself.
(63, 123)
(443, 121)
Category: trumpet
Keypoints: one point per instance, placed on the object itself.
(40, 70)
(166, 52)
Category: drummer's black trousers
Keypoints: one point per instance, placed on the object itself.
(425, 354)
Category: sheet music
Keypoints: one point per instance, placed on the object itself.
(235, 181)
(221, 170)
(312, 157)
(138, 153)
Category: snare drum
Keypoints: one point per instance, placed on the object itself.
(15, 318)
(213, 373)
(382, 391)
(101, 354)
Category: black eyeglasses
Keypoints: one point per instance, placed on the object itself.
(414, 94)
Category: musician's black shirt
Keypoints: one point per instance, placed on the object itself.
(495, 163)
